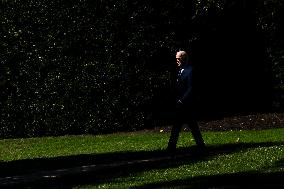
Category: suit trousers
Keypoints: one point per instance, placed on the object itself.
(186, 116)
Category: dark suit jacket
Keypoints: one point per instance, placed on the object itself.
(184, 86)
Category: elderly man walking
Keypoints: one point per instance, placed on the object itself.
(184, 111)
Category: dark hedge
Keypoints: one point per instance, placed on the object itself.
(90, 66)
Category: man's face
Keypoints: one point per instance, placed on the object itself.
(179, 59)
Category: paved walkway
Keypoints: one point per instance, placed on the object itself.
(59, 173)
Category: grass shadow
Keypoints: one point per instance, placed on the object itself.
(234, 180)
(99, 168)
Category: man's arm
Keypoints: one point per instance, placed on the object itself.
(188, 91)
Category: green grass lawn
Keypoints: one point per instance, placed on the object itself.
(234, 159)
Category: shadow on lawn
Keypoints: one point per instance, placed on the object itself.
(237, 180)
(121, 164)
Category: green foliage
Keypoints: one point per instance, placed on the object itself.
(270, 21)
(101, 66)
(75, 67)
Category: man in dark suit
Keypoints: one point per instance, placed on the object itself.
(184, 112)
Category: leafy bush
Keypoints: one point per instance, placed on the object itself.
(71, 67)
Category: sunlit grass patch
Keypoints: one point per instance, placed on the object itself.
(230, 154)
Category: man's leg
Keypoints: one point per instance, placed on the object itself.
(174, 136)
(196, 133)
